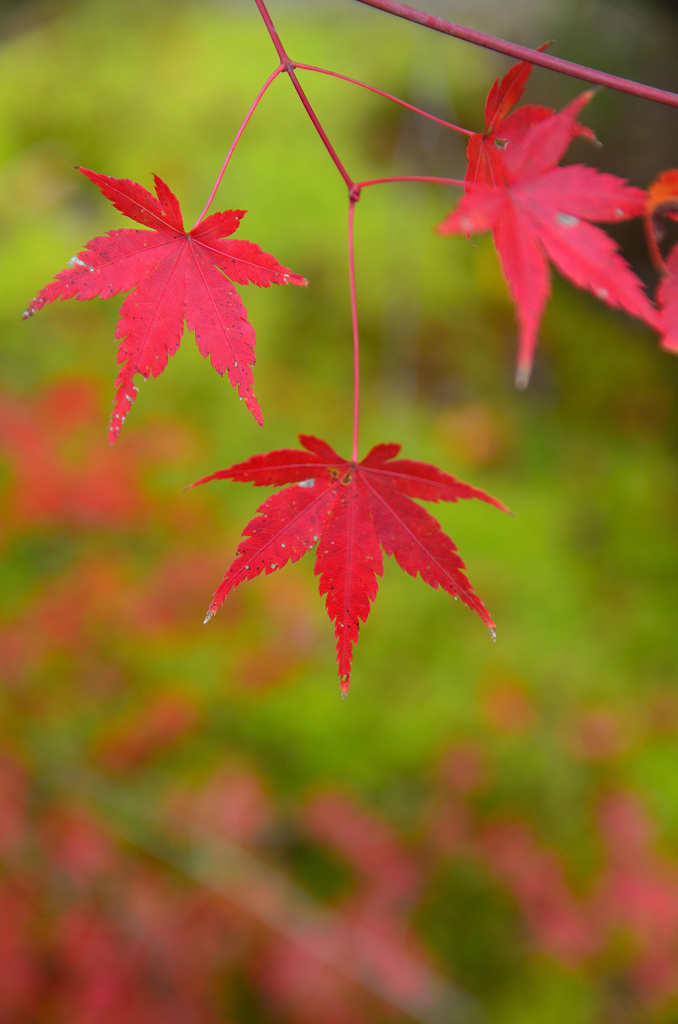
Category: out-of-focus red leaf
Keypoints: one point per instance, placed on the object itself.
(152, 728)
(233, 804)
(505, 128)
(78, 844)
(662, 205)
(20, 967)
(59, 473)
(559, 923)
(13, 796)
(667, 298)
(369, 846)
(541, 213)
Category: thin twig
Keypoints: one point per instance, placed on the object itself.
(430, 178)
(385, 95)
(271, 78)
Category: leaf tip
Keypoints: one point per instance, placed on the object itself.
(493, 633)
(113, 430)
(522, 377)
(297, 279)
(210, 615)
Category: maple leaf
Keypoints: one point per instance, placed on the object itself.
(174, 276)
(351, 511)
(505, 127)
(661, 204)
(541, 213)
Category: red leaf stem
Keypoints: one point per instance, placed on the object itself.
(385, 95)
(354, 327)
(271, 78)
(431, 179)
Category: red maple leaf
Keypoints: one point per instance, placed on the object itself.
(541, 213)
(351, 511)
(667, 299)
(174, 276)
(662, 205)
(504, 127)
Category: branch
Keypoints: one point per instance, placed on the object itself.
(544, 60)
(289, 68)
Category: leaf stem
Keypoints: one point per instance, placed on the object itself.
(288, 66)
(650, 226)
(386, 95)
(353, 197)
(352, 200)
(545, 60)
(456, 182)
(271, 78)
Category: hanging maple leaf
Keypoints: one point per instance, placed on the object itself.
(541, 213)
(661, 205)
(174, 276)
(351, 511)
(505, 127)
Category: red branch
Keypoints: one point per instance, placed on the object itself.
(563, 67)
(289, 68)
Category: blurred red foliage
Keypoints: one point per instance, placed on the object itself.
(93, 928)
(61, 473)
(201, 910)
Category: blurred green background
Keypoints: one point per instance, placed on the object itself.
(193, 826)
